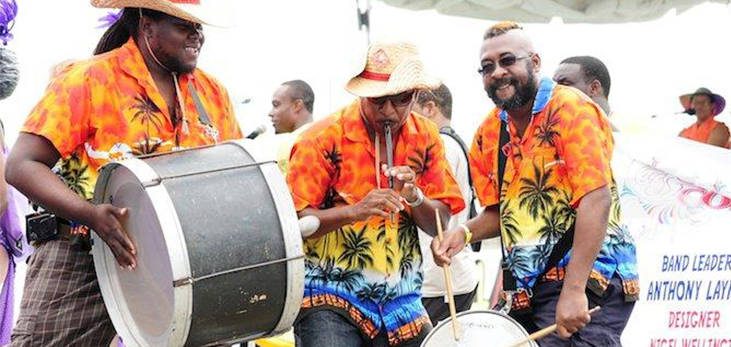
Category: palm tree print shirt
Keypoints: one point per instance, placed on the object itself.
(108, 108)
(564, 154)
(370, 271)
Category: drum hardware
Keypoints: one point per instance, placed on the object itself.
(448, 280)
(191, 280)
(545, 331)
(159, 179)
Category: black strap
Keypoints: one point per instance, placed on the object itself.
(447, 130)
(562, 247)
(202, 114)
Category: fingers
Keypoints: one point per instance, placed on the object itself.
(563, 332)
(438, 253)
(402, 173)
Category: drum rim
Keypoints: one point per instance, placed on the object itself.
(175, 242)
(292, 241)
(470, 312)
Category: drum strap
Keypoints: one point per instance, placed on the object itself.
(562, 247)
(202, 114)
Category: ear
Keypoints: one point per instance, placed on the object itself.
(536, 59)
(146, 26)
(595, 88)
(298, 105)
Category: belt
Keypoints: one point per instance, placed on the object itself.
(64, 232)
(521, 298)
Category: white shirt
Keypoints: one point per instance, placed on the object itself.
(464, 269)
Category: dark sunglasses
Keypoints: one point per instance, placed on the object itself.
(402, 99)
(506, 61)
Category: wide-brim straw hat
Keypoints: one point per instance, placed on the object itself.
(687, 99)
(390, 68)
(196, 11)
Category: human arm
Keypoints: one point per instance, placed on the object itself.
(29, 170)
(376, 203)
(591, 224)
(719, 136)
(484, 226)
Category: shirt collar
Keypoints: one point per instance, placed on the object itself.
(545, 91)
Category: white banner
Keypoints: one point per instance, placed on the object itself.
(676, 201)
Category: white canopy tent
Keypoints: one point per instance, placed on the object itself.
(542, 11)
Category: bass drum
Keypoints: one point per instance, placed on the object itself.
(219, 250)
(478, 328)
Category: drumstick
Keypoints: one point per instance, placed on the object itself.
(545, 331)
(448, 280)
(389, 157)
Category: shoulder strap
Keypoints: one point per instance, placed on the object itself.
(447, 130)
(202, 114)
(562, 247)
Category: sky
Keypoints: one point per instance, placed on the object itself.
(273, 41)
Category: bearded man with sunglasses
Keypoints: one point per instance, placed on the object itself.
(371, 174)
(541, 165)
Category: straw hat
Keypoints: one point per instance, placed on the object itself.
(390, 68)
(718, 100)
(196, 11)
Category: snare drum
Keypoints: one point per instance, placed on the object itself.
(219, 251)
(478, 328)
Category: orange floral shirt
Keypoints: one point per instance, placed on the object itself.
(564, 153)
(370, 270)
(108, 108)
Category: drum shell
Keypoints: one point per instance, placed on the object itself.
(233, 236)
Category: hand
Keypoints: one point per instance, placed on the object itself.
(378, 202)
(404, 181)
(453, 243)
(106, 222)
(572, 312)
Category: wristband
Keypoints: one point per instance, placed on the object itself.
(467, 233)
(419, 198)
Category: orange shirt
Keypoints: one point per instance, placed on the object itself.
(701, 132)
(369, 270)
(108, 108)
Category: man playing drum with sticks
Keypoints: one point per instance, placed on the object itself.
(541, 164)
(371, 173)
(136, 96)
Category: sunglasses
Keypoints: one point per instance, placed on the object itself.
(506, 61)
(397, 100)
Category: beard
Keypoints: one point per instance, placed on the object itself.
(169, 61)
(524, 93)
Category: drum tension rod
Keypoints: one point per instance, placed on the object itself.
(159, 180)
(191, 280)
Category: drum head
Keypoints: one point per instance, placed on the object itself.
(478, 328)
(140, 302)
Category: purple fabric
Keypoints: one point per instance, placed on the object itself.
(8, 11)
(12, 239)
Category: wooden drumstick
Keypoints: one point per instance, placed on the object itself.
(546, 331)
(448, 280)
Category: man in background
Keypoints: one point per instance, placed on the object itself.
(436, 105)
(291, 114)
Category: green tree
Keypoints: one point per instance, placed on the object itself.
(75, 175)
(357, 253)
(536, 194)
